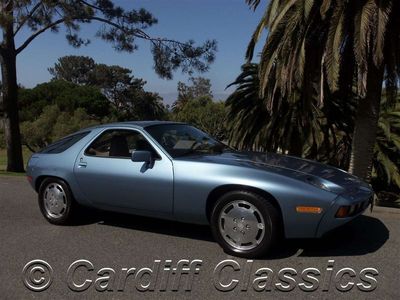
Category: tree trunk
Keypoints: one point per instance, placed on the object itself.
(366, 125)
(8, 60)
(10, 114)
(296, 144)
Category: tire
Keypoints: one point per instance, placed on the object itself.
(56, 202)
(245, 224)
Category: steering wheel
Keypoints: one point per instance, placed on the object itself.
(195, 145)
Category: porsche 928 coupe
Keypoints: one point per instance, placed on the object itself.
(175, 171)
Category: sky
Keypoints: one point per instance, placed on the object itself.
(230, 22)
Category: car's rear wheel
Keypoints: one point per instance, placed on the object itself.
(56, 201)
(245, 224)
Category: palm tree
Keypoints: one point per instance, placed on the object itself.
(386, 165)
(253, 127)
(247, 113)
(325, 135)
(299, 127)
(332, 48)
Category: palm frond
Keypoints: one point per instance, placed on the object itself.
(282, 13)
(253, 3)
(384, 10)
(333, 48)
(262, 25)
(362, 39)
(325, 6)
(308, 4)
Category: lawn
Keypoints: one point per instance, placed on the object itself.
(3, 161)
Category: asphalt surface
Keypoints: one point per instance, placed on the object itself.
(118, 241)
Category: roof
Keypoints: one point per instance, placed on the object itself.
(140, 124)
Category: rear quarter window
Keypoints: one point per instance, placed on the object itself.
(64, 143)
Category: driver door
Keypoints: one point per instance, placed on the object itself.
(109, 178)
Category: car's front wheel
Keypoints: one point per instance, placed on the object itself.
(56, 201)
(245, 224)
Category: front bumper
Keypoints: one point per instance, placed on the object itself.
(358, 203)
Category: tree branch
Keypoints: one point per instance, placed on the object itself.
(91, 5)
(33, 36)
(137, 32)
(28, 16)
(29, 147)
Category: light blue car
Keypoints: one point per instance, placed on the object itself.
(175, 171)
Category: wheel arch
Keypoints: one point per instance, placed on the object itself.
(216, 193)
(41, 178)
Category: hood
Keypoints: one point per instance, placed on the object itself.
(313, 172)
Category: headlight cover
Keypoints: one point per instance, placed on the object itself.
(315, 182)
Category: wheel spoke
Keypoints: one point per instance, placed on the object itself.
(240, 225)
(55, 200)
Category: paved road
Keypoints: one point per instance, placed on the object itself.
(118, 241)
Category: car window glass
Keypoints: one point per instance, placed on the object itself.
(64, 144)
(119, 143)
(180, 139)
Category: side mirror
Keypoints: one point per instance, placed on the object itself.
(142, 156)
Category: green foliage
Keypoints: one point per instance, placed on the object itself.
(53, 124)
(321, 47)
(67, 96)
(386, 166)
(113, 81)
(142, 105)
(299, 128)
(199, 87)
(116, 83)
(206, 114)
(324, 135)
(82, 93)
(319, 54)
(75, 69)
(247, 113)
(120, 27)
(125, 93)
(195, 105)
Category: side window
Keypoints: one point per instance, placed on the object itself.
(119, 143)
(65, 143)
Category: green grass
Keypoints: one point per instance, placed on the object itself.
(5, 173)
(3, 161)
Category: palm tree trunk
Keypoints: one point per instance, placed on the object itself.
(366, 122)
(296, 144)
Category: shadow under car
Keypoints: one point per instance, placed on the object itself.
(361, 236)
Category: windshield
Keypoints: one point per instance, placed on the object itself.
(181, 140)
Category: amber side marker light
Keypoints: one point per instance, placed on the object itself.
(309, 209)
(343, 212)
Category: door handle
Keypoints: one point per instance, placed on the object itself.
(82, 164)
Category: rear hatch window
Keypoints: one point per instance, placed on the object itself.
(64, 143)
